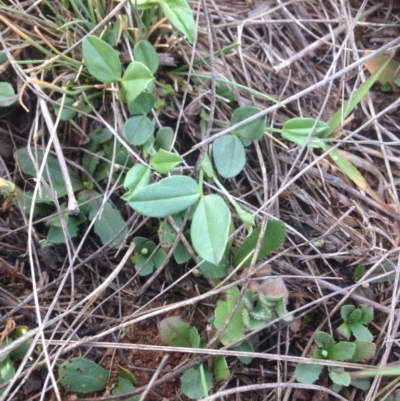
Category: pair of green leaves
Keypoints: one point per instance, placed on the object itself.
(197, 381)
(103, 63)
(172, 195)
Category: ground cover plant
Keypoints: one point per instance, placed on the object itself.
(199, 201)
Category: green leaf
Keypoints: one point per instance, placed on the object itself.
(339, 376)
(170, 195)
(362, 384)
(164, 138)
(101, 60)
(181, 17)
(308, 373)
(142, 104)
(123, 386)
(339, 157)
(57, 181)
(108, 223)
(66, 114)
(194, 338)
(360, 332)
(367, 314)
(350, 104)
(274, 236)
(245, 346)
(191, 383)
(345, 311)
(164, 161)
(324, 340)
(220, 368)
(344, 330)
(342, 351)
(145, 261)
(135, 80)
(235, 330)
(212, 270)
(229, 156)
(181, 254)
(250, 132)
(365, 350)
(302, 127)
(56, 233)
(175, 332)
(136, 178)
(7, 372)
(146, 54)
(137, 130)
(82, 376)
(6, 91)
(210, 228)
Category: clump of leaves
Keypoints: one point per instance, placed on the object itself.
(196, 382)
(354, 321)
(327, 349)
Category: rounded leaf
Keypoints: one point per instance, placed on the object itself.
(142, 104)
(229, 156)
(146, 54)
(101, 60)
(137, 130)
(252, 131)
(81, 375)
(210, 228)
(6, 91)
(135, 80)
(169, 196)
(192, 385)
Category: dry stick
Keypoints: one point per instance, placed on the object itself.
(332, 287)
(154, 378)
(319, 42)
(73, 207)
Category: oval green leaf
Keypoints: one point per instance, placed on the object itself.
(273, 238)
(82, 376)
(66, 114)
(135, 80)
(169, 196)
(210, 228)
(146, 54)
(229, 156)
(136, 178)
(303, 126)
(250, 132)
(164, 138)
(101, 60)
(163, 161)
(142, 104)
(137, 130)
(181, 17)
(6, 92)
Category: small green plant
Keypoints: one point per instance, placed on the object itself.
(354, 321)
(327, 349)
(196, 382)
(81, 375)
(7, 370)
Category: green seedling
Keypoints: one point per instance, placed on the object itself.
(354, 321)
(315, 134)
(196, 382)
(7, 369)
(147, 256)
(327, 349)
